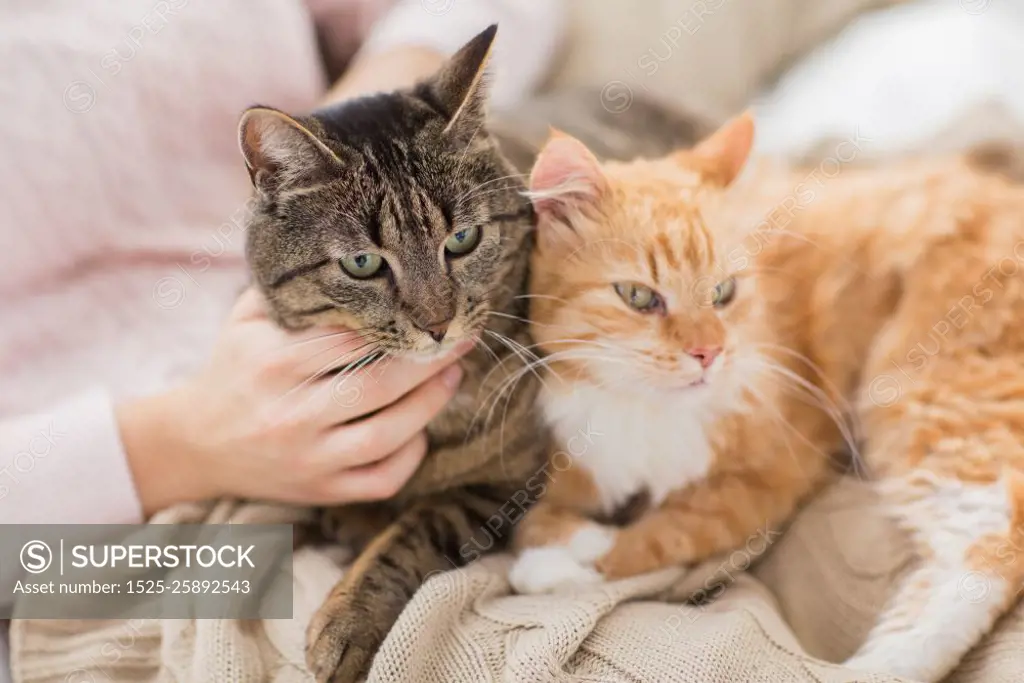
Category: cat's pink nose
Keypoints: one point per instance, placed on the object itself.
(705, 355)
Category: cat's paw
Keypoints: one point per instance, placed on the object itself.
(591, 542)
(550, 570)
(339, 645)
(921, 664)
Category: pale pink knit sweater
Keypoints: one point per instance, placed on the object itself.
(123, 198)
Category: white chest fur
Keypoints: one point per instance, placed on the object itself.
(630, 444)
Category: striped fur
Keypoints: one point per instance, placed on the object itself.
(397, 174)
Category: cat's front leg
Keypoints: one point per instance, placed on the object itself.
(720, 514)
(557, 548)
(430, 537)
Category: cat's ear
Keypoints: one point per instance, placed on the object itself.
(565, 173)
(722, 155)
(281, 151)
(566, 181)
(460, 85)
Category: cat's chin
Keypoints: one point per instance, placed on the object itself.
(663, 386)
(425, 356)
(696, 390)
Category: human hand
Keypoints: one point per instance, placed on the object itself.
(265, 419)
(398, 68)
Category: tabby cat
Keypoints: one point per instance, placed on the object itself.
(708, 340)
(396, 215)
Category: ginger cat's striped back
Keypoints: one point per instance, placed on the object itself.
(710, 343)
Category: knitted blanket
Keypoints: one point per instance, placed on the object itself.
(809, 600)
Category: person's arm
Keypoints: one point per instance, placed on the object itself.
(262, 420)
(66, 465)
(415, 37)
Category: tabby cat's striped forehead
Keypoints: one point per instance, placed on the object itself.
(407, 169)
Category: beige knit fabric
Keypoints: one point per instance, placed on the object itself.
(809, 601)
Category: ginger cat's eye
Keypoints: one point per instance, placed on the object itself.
(639, 297)
(362, 266)
(723, 293)
(463, 242)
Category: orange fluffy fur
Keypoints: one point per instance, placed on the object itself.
(890, 299)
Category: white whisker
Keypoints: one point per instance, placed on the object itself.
(327, 367)
(470, 192)
(541, 296)
(817, 398)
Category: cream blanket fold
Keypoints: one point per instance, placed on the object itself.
(809, 601)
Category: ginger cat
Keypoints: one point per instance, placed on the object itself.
(707, 342)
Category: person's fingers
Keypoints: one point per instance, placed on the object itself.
(377, 389)
(380, 480)
(249, 306)
(368, 440)
(331, 345)
(316, 351)
(288, 361)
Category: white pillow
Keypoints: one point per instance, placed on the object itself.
(929, 76)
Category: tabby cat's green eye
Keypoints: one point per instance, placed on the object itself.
(362, 265)
(639, 297)
(723, 292)
(463, 241)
